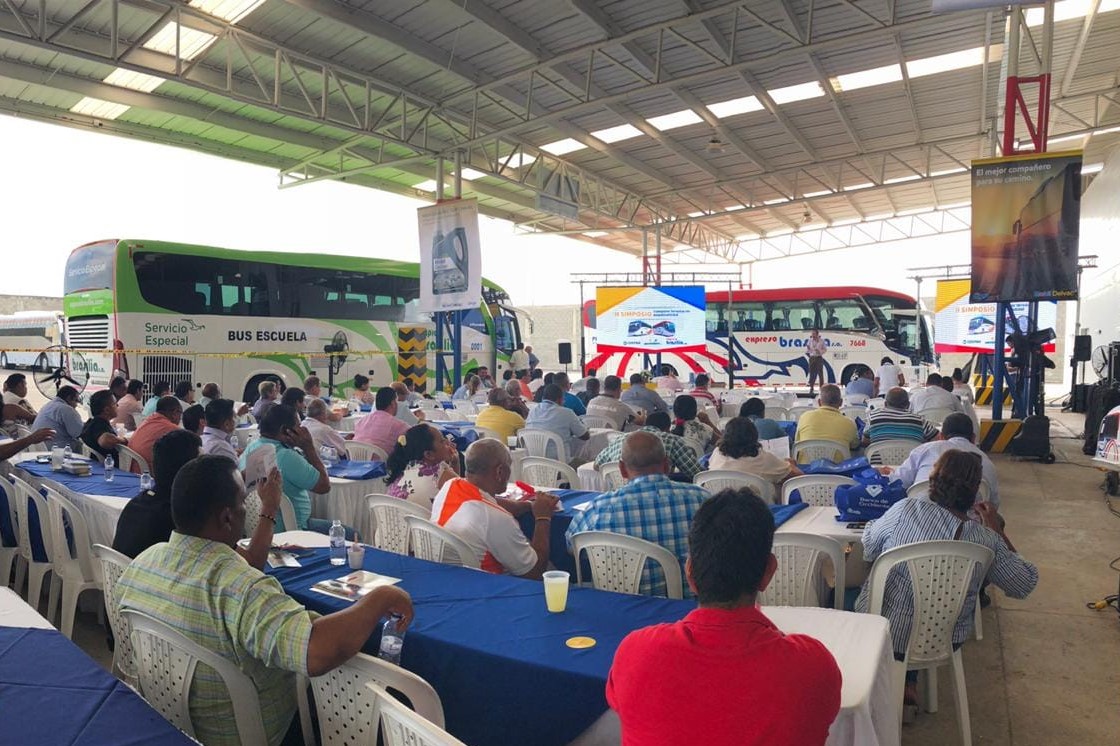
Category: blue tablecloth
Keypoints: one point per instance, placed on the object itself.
(463, 432)
(558, 546)
(358, 469)
(124, 484)
(53, 693)
(491, 649)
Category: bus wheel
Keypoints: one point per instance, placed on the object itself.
(849, 371)
(251, 393)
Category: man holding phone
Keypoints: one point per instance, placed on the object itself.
(298, 461)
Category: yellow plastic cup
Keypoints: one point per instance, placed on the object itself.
(556, 590)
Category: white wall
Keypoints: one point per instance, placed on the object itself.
(1100, 235)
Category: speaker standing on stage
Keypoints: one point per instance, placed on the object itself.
(815, 350)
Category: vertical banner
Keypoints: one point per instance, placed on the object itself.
(1026, 212)
(450, 256)
(963, 326)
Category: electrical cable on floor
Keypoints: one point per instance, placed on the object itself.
(1104, 603)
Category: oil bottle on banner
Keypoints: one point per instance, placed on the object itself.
(450, 262)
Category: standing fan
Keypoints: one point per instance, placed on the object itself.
(338, 349)
(58, 366)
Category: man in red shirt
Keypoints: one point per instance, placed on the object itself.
(725, 674)
(168, 414)
(701, 393)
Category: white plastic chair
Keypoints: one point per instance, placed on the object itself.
(465, 407)
(288, 514)
(437, 544)
(431, 404)
(717, 480)
(815, 489)
(598, 422)
(401, 726)
(853, 400)
(360, 451)
(542, 443)
(617, 561)
(777, 413)
(73, 573)
(35, 570)
(936, 415)
(436, 414)
(440, 396)
(129, 458)
(89, 453)
(889, 452)
(165, 666)
(113, 563)
(23, 431)
(345, 707)
(547, 472)
(815, 449)
(8, 554)
(795, 413)
(799, 580)
(612, 475)
(252, 512)
(485, 432)
(942, 573)
(854, 411)
(387, 515)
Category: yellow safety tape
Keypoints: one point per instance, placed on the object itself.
(193, 353)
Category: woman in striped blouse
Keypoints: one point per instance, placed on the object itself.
(953, 483)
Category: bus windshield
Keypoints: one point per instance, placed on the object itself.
(90, 267)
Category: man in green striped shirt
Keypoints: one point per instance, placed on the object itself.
(200, 586)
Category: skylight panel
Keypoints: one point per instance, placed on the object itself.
(799, 92)
(427, 186)
(615, 134)
(902, 179)
(192, 42)
(471, 174)
(821, 193)
(563, 147)
(230, 11)
(867, 78)
(730, 208)
(854, 187)
(942, 63)
(135, 81)
(681, 118)
(735, 106)
(95, 107)
(595, 234)
(1066, 138)
(778, 201)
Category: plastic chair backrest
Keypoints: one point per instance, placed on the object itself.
(440, 396)
(22, 431)
(485, 432)
(539, 443)
(129, 458)
(853, 411)
(936, 415)
(794, 413)
(78, 566)
(427, 404)
(807, 451)
(890, 452)
(400, 726)
(345, 706)
(387, 515)
(612, 475)
(437, 544)
(465, 406)
(31, 494)
(799, 579)
(89, 453)
(436, 414)
(113, 563)
(599, 422)
(717, 480)
(853, 400)
(941, 573)
(547, 472)
(11, 494)
(617, 561)
(360, 451)
(252, 512)
(288, 514)
(165, 667)
(815, 489)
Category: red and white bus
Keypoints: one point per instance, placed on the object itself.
(757, 337)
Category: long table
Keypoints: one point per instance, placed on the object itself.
(505, 675)
(52, 693)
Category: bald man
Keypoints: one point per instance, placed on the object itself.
(466, 507)
(404, 414)
(649, 506)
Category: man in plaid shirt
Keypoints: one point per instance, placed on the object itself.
(649, 506)
(682, 459)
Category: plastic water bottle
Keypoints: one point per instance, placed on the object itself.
(110, 469)
(392, 640)
(338, 543)
(146, 482)
(67, 453)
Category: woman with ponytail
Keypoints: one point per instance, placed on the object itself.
(421, 462)
(697, 428)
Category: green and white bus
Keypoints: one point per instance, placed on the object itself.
(161, 311)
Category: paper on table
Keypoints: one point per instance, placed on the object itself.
(353, 586)
(777, 446)
(278, 558)
(582, 506)
(259, 463)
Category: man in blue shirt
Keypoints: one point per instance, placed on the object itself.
(60, 414)
(552, 415)
(862, 385)
(649, 506)
(640, 397)
(160, 390)
(301, 469)
(571, 401)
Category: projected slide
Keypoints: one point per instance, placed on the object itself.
(961, 326)
(650, 319)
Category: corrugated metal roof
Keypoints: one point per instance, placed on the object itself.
(375, 90)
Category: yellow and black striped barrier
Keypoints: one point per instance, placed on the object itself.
(995, 435)
(985, 394)
(412, 355)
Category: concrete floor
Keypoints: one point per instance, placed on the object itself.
(1048, 669)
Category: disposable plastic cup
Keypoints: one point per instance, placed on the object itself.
(356, 555)
(556, 590)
